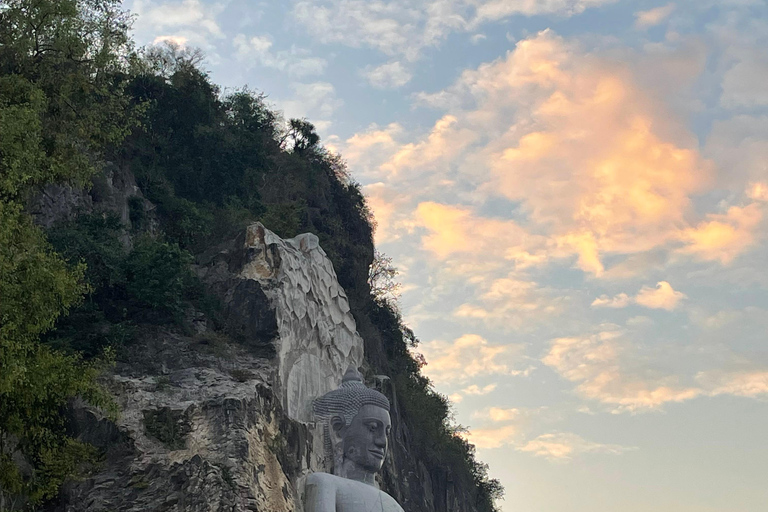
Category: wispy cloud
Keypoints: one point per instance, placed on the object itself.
(400, 28)
(387, 76)
(663, 296)
(652, 17)
(598, 364)
(295, 62)
(468, 357)
(190, 21)
(563, 446)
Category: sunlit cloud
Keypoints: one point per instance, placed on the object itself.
(563, 446)
(724, 236)
(468, 357)
(493, 437)
(621, 300)
(747, 383)
(663, 296)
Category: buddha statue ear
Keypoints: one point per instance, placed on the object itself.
(338, 423)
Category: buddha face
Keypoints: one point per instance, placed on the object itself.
(366, 437)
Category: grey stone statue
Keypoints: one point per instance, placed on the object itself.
(356, 426)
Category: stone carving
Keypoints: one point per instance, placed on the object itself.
(318, 338)
(356, 427)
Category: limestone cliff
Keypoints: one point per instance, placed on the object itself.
(218, 418)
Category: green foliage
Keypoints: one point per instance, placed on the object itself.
(284, 219)
(61, 104)
(37, 285)
(61, 88)
(157, 275)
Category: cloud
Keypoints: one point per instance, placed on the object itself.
(406, 28)
(177, 40)
(190, 20)
(758, 191)
(495, 437)
(615, 185)
(296, 62)
(661, 297)
(511, 302)
(468, 357)
(724, 236)
(652, 17)
(742, 83)
(621, 300)
(746, 383)
(563, 446)
(598, 364)
(456, 230)
(316, 100)
(498, 414)
(388, 76)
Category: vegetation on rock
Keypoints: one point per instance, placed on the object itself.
(75, 93)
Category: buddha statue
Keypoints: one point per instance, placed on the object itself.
(356, 427)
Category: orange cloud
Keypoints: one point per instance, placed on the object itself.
(661, 297)
(724, 237)
(457, 230)
(492, 437)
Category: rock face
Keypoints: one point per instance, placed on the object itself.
(313, 333)
(207, 425)
(216, 421)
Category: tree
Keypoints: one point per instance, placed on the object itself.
(381, 278)
(61, 104)
(302, 135)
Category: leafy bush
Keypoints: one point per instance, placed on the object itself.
(157, 275)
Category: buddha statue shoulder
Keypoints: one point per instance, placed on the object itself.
(356, 429)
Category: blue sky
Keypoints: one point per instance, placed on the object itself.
(575, 193)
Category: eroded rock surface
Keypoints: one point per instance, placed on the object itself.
(313, 334)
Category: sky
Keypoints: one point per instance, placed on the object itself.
(575, 193)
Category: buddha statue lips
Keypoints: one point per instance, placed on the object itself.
(356, 426)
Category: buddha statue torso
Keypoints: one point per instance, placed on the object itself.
(356, 426)
(330, 493)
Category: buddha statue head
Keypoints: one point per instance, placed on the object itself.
(356, 426)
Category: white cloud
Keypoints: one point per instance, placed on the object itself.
(563, 446)
(388, 76)
(406, 28)
(193, 21)
(295, 62)
(649, 18)
(316, 101)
